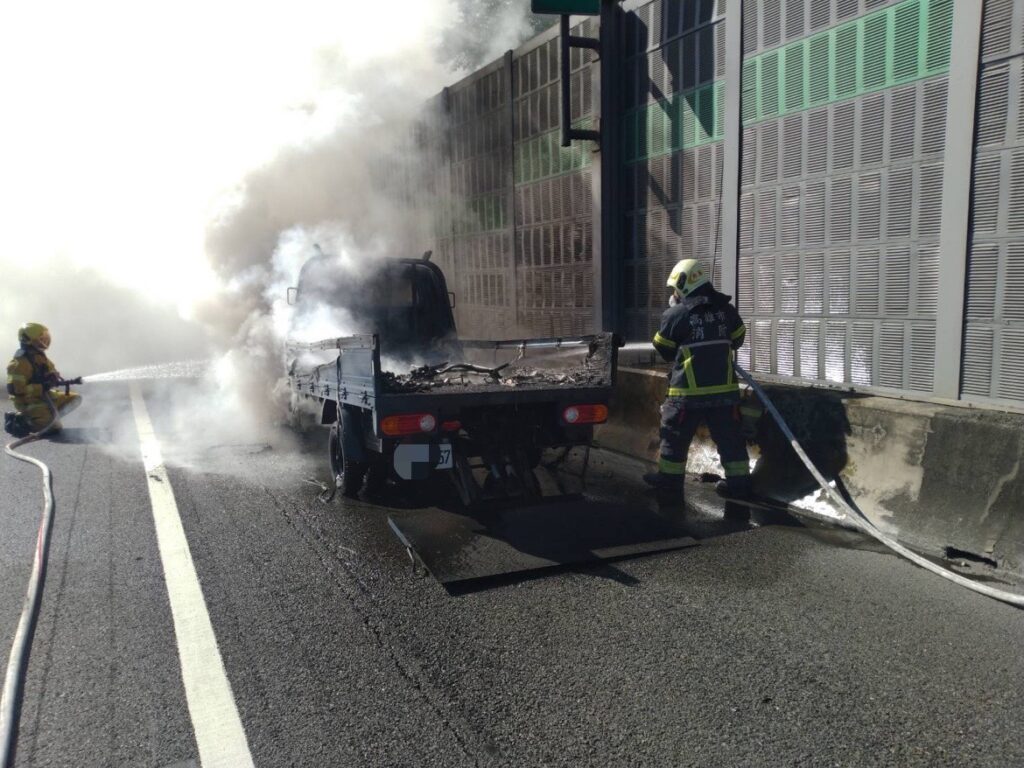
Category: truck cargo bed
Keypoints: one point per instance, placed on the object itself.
(527, 371)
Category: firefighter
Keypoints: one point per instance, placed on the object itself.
(699, 334)
(31, 375)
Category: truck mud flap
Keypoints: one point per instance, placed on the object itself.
(456, 548)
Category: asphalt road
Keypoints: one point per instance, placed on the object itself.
(773, 645)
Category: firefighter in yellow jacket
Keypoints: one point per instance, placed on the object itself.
(31, 376)
(699, 334)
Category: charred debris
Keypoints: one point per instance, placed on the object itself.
(592, 371)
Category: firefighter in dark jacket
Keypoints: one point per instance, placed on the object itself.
(699, 334)
(30, 379)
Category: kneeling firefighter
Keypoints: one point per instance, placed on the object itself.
(699, 333)
(31, 379)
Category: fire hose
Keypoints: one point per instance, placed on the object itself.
(857, 519)
(17, 663)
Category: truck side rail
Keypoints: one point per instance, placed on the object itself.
(361, 341)
(351, 379)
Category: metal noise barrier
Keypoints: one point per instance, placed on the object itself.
(17, 664)
(857, 518)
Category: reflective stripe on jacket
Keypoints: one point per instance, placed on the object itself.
(700, 335)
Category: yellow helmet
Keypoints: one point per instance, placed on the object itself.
(687, 275)
(34, 335)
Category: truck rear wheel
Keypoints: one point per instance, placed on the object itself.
(348, 474)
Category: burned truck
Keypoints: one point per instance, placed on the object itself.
(407, 400)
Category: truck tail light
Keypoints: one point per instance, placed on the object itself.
(453, 425)
(585, 414)
(408, 424)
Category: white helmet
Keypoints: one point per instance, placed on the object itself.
(686, 276)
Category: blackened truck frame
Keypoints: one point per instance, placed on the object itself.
(497, 428)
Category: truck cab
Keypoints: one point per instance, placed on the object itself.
(404, 301)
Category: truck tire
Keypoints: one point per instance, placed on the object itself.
(348, 474)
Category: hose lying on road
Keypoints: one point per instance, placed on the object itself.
(17, 663)
(856, 518)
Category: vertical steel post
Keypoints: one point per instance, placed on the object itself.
(564, 49)
(956, 195)
(598, 210)
(449, 149)
(510, 179)
(608, 213)
(566, 42)
(732, 145)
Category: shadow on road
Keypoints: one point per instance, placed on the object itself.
(504, 542)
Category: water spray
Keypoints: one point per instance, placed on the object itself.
(184, 369)
(637, 346)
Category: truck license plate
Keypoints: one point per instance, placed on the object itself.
(415, 461)
(444, 461)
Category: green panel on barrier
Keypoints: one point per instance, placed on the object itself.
(685, 120)
(543, 156)
(940, 34)
(705, 115)
(485, 213)
(845, 55)
(688, 121)
(794, 88)
(749, 101)
(899, 44)
(819, 84)
(769, 71)
(719, 89)
(904, 42)
(875, 62)
(560, 7)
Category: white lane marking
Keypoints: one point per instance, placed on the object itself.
(211, 705)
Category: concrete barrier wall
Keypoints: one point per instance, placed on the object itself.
(935, 476)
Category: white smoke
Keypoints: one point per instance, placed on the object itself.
(168, 170)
